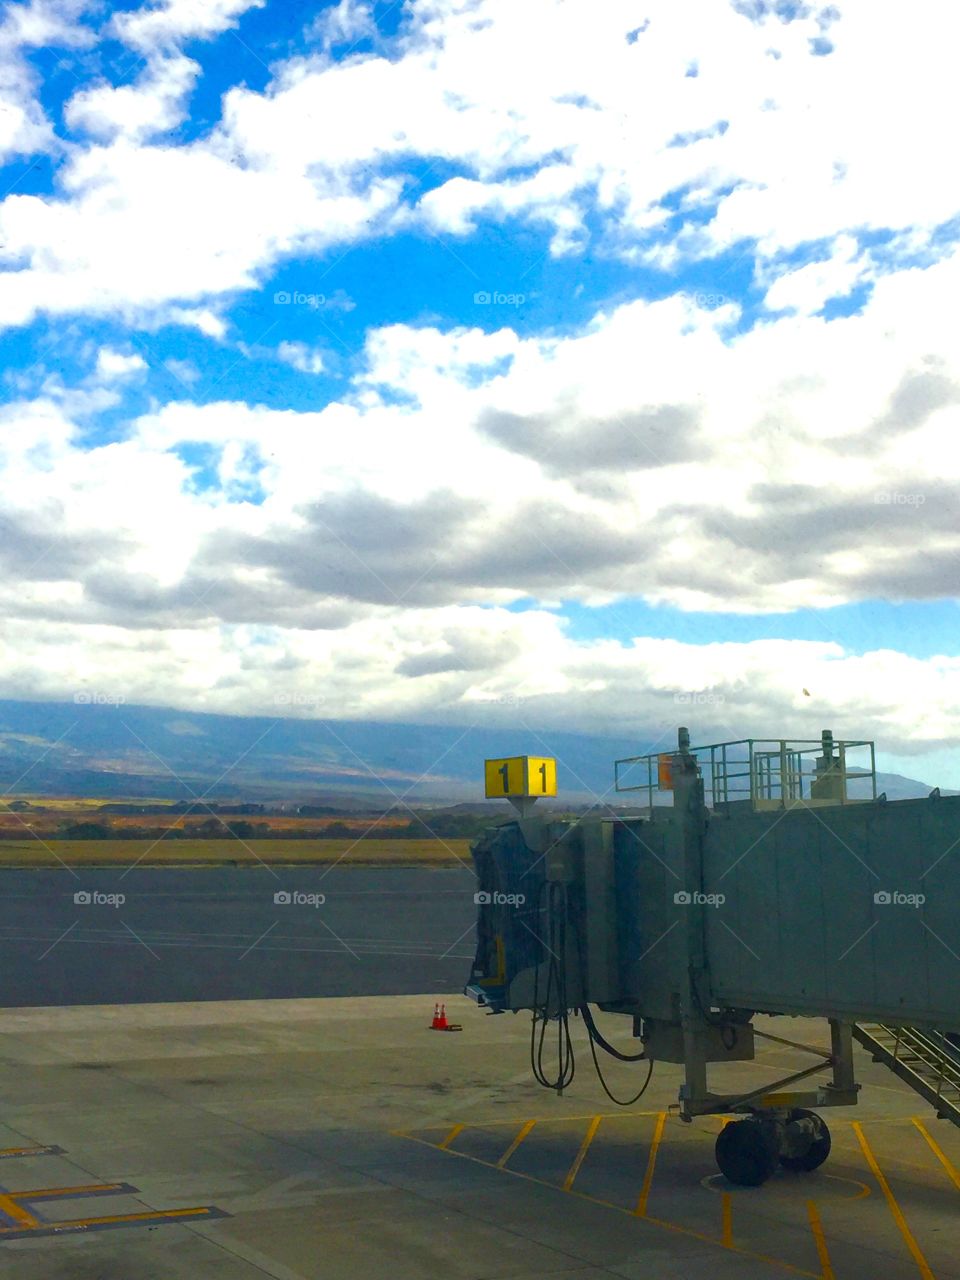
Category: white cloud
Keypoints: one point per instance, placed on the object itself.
(184, 371)
(751, 147)
(203, 319)
(806, 289)
(657, 452)
(114, 364)
(347, 22)
(492, 666)
(154, 104)
(159, 26)
(803, 464)
(24, 127)
(301, 357)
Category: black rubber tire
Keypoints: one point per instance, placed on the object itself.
(745, 1153)
(819, 1148)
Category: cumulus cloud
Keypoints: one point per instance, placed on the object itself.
(665, 450)
(301, 357)
(547, 467)
(24, 126)
(154, 104)
(173, 21)
(491, 666)
(114, 364)
(763, 144)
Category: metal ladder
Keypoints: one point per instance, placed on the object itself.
(925, 1060)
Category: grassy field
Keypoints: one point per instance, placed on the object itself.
(123, 853)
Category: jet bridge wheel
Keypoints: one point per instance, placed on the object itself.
(806, 1141)
(747, 1151)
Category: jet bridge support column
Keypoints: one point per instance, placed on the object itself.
(690, 819)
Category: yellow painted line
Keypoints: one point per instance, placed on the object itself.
(50, 1192)
(457, 1128)
(779, 1192)
(584, 1146)
(608, 1204)
(24, 1151)
(641, 1209)
(952, 1173)
(820, 1240)
(15, 1211)
(894, 1208)
(515, 1143)
(726, 1202)
(127, 1217)
(499, 1124)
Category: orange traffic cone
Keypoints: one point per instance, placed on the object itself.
(442, 1022)
(435, 1024)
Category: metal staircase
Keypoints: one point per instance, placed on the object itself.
(928, 1061)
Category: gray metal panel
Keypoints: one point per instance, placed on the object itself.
(800, 931)
(653, 947)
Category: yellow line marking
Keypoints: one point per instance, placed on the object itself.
(726, 1202)
(128, 1217)
(24, 1151)
(15, 1211)
(608, 1204)
(641, 1209)
(457, 1128)
(952, 1173)
(557, 1118)
(50, 1192)
(515, 1143)
(782, 1192)
(584, 1145)
(816, 1226)
(894, 1208)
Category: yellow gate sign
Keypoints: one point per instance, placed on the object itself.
(516, 776)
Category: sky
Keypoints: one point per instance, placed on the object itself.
(586, 366)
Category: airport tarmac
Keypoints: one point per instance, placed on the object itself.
(340, 1138)
(107, 935)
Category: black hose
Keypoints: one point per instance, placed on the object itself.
(556, 923)
(604, 1044)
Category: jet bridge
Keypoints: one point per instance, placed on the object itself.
(797, 890)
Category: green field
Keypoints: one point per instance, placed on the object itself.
(88, 853)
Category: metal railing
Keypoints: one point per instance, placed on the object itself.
(765, 773)
(925, 1060)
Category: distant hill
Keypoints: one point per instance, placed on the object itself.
(56, 748)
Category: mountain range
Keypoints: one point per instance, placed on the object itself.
(84, 749)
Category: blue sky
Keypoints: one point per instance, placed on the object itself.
(458, 366)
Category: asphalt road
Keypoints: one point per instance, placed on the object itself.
(109, 936)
